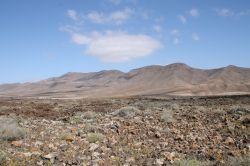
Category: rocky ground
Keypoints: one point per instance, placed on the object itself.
(125, 131)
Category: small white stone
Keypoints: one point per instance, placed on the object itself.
(159, 162)
(93, 146)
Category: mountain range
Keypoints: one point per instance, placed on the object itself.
(174, 79)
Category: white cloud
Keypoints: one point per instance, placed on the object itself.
(72, 14)
(118, 17)
(117, 46)
(195, 37)
(182, 19)
(194, 12)
(157, 28)
(224, 12)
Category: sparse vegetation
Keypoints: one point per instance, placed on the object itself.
(138, 132)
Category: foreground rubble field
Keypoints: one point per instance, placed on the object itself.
(125, 131)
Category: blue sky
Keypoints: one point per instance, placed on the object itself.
(41, 39)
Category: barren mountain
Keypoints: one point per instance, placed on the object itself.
(173, 79)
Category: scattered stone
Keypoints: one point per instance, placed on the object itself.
(179, 137)
(129, 137)
(28, 154)
(159, 162)
(229, 141)
(93, 146)
(69, 138)
(157, 134)
(95, 155)
(51, 157)
(170, 156)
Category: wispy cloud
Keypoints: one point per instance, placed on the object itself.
(114, 47)
(175, 32)
(72, 14)
(182, 19)
(176, 36)
(69, 28)
(157, 28)
(118, 17)
(116, 2)
(176, 41)
(194, 12)
(226, 12)
(195, 37)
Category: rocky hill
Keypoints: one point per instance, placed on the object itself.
(173, 79)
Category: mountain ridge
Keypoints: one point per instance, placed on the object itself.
(172, 79)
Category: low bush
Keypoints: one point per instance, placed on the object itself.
(95, 137)
(191, 162)
(127, 112)
(167, 116)
(2, 157)
(10, 129)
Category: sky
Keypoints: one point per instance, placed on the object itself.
(46, 38)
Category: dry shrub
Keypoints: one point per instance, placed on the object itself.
(127, 112)
(167, 116)
(10, 130)
(2, 157)
(80, 117)
(191, 162)
(95, 137)
(239, 161)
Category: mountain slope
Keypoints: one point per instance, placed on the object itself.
(173, 79)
